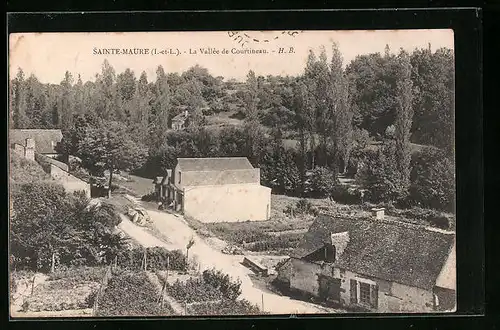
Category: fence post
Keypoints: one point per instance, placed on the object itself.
(33, 284)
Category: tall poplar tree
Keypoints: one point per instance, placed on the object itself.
(341, 111)
(19, 119)
(67, 100)
(403, 122)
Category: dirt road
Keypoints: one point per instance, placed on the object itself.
(179, 234)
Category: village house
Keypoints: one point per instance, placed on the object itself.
(373, 265)
(180, 121)
(223, 189)
(40, 145)
(27, 142)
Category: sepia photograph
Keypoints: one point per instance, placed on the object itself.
(218, 173)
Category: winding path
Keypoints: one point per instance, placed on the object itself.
(178, 232)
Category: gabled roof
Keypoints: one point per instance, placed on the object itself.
(388, 250)
(43, 138)
(213, 164)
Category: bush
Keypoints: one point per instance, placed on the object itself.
(229, 289)
(211, 285)
(345, 195)
(433, 180)
(193, 290)
(303, 206)
(225, 307)
(131, 294)
(321, 182)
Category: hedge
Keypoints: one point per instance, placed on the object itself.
(225, 307)
(156, 259)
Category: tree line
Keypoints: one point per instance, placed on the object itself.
(299, 130)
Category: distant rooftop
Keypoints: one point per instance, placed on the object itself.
(214, 164)
(45, 139)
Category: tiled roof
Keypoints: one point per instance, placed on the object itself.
(213, 164)
(209, 178)
(396, 252)
(43, 138)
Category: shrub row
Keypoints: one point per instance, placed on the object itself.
(211, 285)
(225, 307)
(284, 241)
(79, 274)
(156, 259)
(433, 217)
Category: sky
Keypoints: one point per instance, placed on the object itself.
(49, 55)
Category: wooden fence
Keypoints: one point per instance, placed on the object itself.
(102, 287)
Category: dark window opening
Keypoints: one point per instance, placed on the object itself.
(326, 253)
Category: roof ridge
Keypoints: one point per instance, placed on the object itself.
(409, 225)
(242, 157)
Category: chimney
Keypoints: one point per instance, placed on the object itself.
(378, 213)
(339, 240)
(29, 149)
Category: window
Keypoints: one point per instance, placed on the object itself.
(179, 177)
(364, 293)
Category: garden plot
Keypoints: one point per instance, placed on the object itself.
(131, 293)
(65, 290)
(211, 293)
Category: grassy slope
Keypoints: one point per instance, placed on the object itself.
(23, 171)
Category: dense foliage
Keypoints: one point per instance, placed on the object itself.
(287, 126)
(225, 307)
(50, 227)
(193, 290)
(213, 293)
(131, 294)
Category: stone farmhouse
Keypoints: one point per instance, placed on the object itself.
(223, 189)
(373, 265)
(39, 145)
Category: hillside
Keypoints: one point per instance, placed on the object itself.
(22, 170)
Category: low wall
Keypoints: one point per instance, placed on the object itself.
(44, 159)
(70, 182)
(60, 172)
